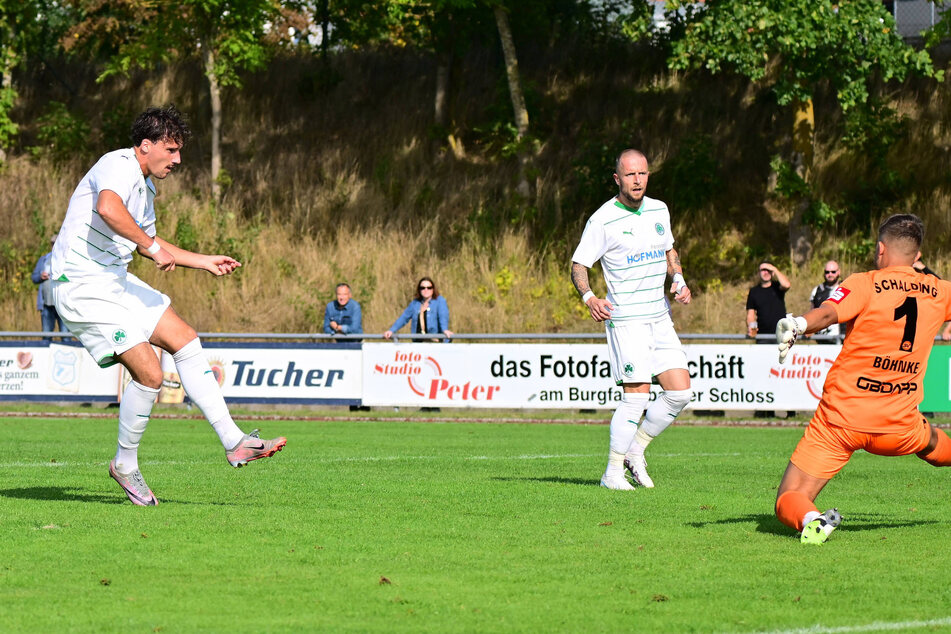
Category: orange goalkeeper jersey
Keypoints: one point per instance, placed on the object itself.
(875, 383)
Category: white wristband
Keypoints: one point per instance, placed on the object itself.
(678, 279)
(586, 297)
(154, 248)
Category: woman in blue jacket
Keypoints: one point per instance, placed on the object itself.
(427, 313)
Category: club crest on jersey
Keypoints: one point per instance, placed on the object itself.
(838, 295)
(118, 336)
(628, 369)
(659, 228)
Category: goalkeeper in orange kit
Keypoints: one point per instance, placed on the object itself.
(873, 389)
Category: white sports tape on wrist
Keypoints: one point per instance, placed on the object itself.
(154, 247)
(678, 279)
(586, 297)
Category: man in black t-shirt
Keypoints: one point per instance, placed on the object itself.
(766, 303)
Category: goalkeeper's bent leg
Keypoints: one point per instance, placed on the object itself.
(940, 456)
(794, 507)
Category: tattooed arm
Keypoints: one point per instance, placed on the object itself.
(678, 287)
(600, 309)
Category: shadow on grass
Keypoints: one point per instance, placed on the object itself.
(59, 494)
(553, 479)
(71, 494)
(767, 523)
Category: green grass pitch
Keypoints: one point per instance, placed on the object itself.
(461, 527)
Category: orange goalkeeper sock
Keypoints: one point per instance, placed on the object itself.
(940, 456)
(791, 508)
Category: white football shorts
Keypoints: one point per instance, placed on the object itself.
(110, 316)
(641, 350)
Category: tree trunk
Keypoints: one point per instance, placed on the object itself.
(215, 93)
(800, 234)
(518, 99)
(324, 11)
(443, 66)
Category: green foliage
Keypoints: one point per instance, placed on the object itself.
(62, 135)
(690, 176)
(637, 23)
(504, 280)
(29, 30)
(186, 235)
(790, 186)
(116, 126)
(708, 262)
(858, 247)
(788, 183)
(8, 129)
(874, 127)
(224, 178)
(233, 31)
(820, 215)
(797, 44)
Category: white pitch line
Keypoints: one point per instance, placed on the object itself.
(877, 626)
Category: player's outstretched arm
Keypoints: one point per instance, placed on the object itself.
(600, 309)
(214, 264)
(790, 328)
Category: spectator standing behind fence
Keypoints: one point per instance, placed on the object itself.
(831, 276)
(49, 318)
(427, 313)
(766, 302)
(342, 316)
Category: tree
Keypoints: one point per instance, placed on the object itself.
(794, 47)
(228, 36)
(518, 97)
(28, 32)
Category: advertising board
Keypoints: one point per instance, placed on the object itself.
(33, 370)
(579, 376)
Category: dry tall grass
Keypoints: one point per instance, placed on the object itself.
(338, 176)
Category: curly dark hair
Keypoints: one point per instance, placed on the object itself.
(160, 124)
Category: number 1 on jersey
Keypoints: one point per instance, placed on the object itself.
(908, 310)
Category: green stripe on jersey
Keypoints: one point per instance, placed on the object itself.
(620, 205)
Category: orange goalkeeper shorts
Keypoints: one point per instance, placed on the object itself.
(825, 448)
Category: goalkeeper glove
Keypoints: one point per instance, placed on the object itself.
(787, 331)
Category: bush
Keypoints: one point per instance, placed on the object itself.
(62, 135)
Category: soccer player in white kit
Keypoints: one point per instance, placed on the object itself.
(117, 316)
(631, 236)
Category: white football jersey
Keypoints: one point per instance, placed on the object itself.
(632, 246)
(86, 247)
